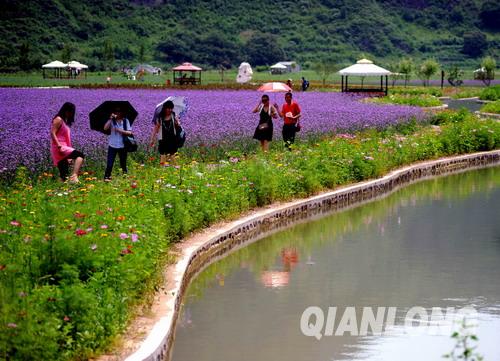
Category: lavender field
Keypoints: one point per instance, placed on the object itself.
(214, 117)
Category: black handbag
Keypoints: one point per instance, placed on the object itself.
(129, 142)
(180, 137)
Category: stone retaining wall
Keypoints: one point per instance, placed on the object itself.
(487, 115)
(199, 252)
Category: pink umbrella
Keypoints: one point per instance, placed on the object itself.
(274, 87)
(275, 279)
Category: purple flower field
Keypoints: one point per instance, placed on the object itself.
(213, 117)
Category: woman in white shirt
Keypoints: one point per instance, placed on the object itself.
(115, 142)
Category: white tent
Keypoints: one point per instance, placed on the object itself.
(245, 73)
(56, 64)
(76, 65)
(278, 68)
(364, 68)
(57, 67)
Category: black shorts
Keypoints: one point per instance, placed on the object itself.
(63, 165)
(75, 154)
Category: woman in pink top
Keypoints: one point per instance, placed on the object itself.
(60, 149)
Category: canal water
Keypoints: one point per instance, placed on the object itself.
(427, 247)
(457, 104)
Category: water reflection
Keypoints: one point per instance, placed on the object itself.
(432, 244)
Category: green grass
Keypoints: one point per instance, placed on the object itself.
(77, 260)
(490, 93)
(493, 107)
(209, 77)
(421, 100)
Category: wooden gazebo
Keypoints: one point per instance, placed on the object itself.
(187, 73)
(362, 69)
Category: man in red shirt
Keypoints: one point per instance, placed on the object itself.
(290, 112)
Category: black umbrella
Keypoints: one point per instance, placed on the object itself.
(100, 115)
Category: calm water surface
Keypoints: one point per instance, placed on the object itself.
(432, 244)
(470, 104)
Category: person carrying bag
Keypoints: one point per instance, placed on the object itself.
(167, 128)
(264, 130)
(121, 141)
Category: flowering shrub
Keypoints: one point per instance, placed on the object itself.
(422, 100)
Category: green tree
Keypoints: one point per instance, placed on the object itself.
(489, 65)
(455, 75)
(324, 68)
(24, 59)
(406, 67)
(263, 49)
(475, 43)
(66, 52)
(427, 69)
(216, 48)
(490, 13)
(177, 47)
(142, 53)
(109, 54)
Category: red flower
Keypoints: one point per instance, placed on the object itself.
(133, 185)
(80, 232)
(126, 251)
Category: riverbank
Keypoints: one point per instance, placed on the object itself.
(197, 252)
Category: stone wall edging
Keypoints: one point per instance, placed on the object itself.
(487, 115)
(158, 344)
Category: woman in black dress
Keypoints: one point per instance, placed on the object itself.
(165, 128)
(264, 131)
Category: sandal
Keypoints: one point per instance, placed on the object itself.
(74, 179)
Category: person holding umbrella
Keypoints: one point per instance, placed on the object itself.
(290, 112)
(61, 150)
(166, 126)
(119, 126)
(264, 131)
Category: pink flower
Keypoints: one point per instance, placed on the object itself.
(15, 223)
(123, 235)
(90, 229)
(135, 237)
(93, 247)
(104, 226)
(12, 325)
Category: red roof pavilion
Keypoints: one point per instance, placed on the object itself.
(187, 73)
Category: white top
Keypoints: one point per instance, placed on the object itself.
(364, 67)
(115, 138)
